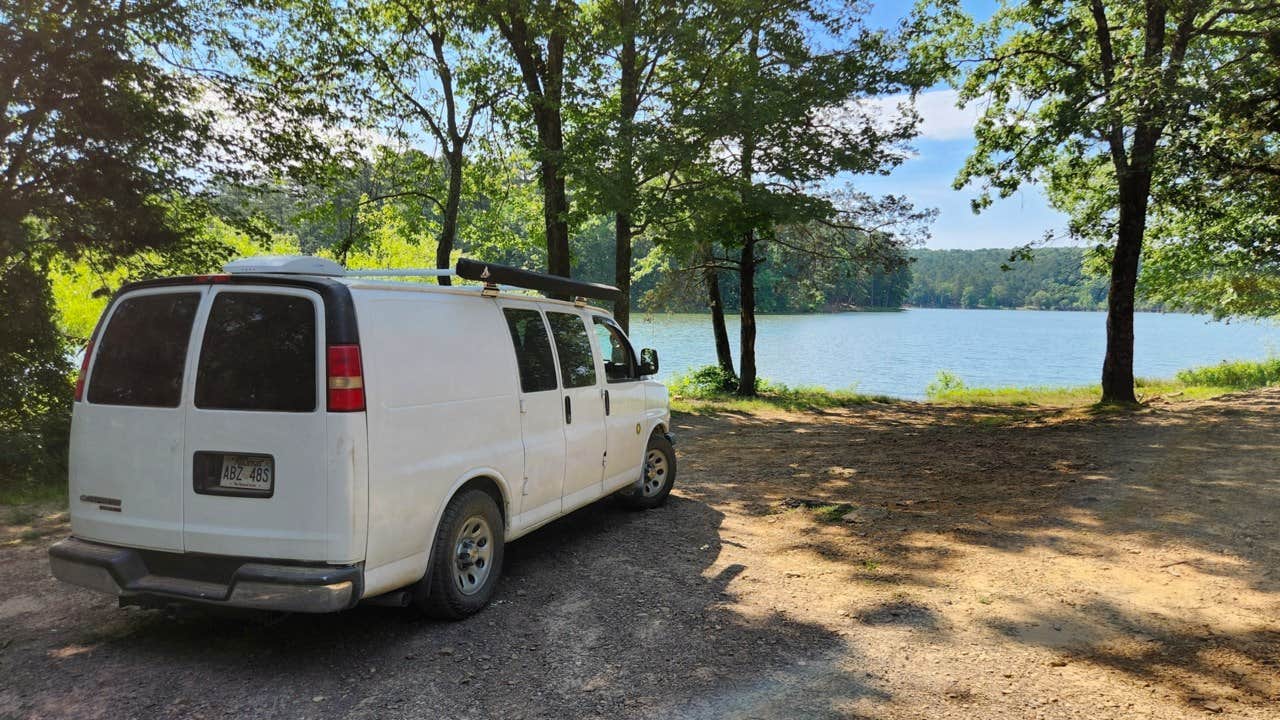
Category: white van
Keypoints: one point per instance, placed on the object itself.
(288, 436)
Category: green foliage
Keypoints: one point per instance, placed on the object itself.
(945, 382)
(1190, 384)
(95, 134)
(35, 395)
(711, 389)
(1128, 114)
(1239, 375)
(704, 382)
(1051, 278)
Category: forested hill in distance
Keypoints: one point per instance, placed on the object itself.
(1052, 279)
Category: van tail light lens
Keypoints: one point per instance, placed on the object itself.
(84, 370)
(346, 379)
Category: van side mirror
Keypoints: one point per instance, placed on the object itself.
(648, 361)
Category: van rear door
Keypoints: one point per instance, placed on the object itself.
(126, 460)
(255, 462)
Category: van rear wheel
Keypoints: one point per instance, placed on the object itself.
(467, 560)
(657, 478)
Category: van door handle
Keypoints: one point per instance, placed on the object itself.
(568, 411)
(606, 401)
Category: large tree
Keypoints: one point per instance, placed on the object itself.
(93, 135)
(397, 71)
(94, 139)
(1104, 101)
(538, 36)
(787, 115)
(639, 70)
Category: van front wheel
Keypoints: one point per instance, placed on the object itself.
(657, 476)
(467, 560)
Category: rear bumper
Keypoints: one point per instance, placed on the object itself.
(231, 582)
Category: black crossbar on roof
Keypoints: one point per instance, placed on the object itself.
(551, 285)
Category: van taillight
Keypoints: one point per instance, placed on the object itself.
(84, 370)
(346, 381)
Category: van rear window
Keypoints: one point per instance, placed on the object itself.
(143, 350)
(258, 353)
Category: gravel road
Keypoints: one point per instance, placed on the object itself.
(892, 561)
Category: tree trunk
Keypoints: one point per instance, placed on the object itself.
(1117, 366)
(555, 201)
(449, 224)
(622, 269)
(543, 74)
(747, 264)
(629, 101)
(747, 310)
(724, 354)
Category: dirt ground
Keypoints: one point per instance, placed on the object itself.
(892, 561)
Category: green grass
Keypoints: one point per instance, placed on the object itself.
(831, 513)
(710, 390)
(1147, 389)
(35, 494)
(1191, 384)
(1238, 375)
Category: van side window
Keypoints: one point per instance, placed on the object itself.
(573, 345)
(259, 353)
(619, 359)
(143, 351)
(533, 349)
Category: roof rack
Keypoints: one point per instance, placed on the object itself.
(552, 285)
(401, 272)
(492, 275)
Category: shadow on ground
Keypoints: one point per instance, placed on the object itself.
(603, 613)
(926, 494)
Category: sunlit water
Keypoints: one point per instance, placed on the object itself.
(899, 353)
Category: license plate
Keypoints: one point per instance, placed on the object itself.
(245, 472)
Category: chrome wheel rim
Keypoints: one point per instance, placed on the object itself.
(473, 555)
(655, 473)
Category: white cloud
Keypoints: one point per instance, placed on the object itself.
(940, 119)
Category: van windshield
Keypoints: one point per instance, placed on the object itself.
(258, 353)
(143, 350)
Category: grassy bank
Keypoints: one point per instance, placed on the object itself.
(708, 389)
(1190, 384)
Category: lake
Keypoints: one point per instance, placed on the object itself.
(899, 353)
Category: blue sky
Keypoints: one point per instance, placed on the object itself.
(945, 141)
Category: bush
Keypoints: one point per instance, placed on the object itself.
(945, 382)
(1240, 375)
(705, 383)
(35, 384)
(712, 388)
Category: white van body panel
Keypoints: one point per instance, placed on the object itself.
(105, 464)
(347, 469)
(442, 408)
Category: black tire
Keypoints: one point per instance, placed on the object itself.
(656, 480)
(441, 593)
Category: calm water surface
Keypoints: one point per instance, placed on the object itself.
(898, 353)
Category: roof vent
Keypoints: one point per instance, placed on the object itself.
(285, 265)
